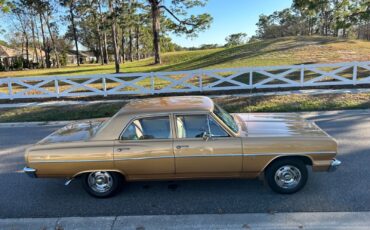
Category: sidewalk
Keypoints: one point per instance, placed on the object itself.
(259, 221)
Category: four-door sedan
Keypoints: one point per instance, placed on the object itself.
(187, 137)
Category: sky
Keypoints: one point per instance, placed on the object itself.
(231, 16)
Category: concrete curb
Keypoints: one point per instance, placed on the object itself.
(262, 221)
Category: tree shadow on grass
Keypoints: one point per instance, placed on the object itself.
(248, 51)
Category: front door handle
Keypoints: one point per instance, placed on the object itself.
(122, 149)
(182, 146)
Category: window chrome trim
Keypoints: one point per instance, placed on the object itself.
(147, 116)
(175, 115)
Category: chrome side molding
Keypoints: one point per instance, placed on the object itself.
(30, 172)
(68, 182)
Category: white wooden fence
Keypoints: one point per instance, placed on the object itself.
(271, 77)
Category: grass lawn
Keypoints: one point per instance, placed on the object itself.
(284, 103)
(282, 51)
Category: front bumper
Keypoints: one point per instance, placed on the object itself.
(334, 165)
(30, 172)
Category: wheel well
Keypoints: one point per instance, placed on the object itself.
(86, 172)
(305, 159)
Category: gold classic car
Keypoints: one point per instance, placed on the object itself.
(188, 137)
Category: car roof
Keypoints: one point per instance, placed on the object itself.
(168, 104)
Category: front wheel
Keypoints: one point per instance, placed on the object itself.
(286, 176)
(102, 184)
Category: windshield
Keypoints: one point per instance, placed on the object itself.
(226, 118)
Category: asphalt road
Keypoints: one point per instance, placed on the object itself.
(347, 189)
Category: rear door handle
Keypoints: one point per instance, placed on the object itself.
(122, 149)
(182, 146)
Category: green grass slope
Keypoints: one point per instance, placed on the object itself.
(281, 51)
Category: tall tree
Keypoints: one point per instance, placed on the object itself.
(188, 25)
(236, 39)
(71, 5)
(114, 35)
(23, 19)
(103, 25)
(91, 27)
(5, 6)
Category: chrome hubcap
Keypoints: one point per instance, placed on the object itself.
(287, 177)
(100, 181)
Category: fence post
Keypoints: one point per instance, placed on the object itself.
(10, 88)
(56, 85)
(201, 82)
(152, 89)
(302, 75)
(354, 79)
(251, 78)
(104, 86)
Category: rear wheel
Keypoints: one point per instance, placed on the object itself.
(102, 184)
(286, 176)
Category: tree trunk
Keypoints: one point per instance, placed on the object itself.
(101, 53)
(137, 43)
(40, 46)
(106, 54)
(123, 47)
(114, 37)
(53, 42)
(131, 55)
(156, 26)
(98, 33)
(359, 29)
(47, 53)
(74, 32)
(27, 52)
(34, 40)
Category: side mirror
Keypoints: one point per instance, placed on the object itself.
(206, 136)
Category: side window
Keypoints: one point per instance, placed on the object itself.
(194, 126)
(191, 126)
(148, 128)
(216, 129)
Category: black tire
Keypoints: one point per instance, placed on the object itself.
(114, 178)
(293, 168)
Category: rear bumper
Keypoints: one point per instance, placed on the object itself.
(334, 165)
(30, 172)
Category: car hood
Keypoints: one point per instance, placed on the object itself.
(76, 131)
(277, 124)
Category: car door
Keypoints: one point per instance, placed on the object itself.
(145, 148)
(203, 148)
